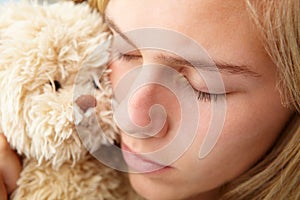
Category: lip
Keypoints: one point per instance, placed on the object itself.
(140, 164)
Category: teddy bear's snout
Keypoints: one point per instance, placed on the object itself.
(85, 102)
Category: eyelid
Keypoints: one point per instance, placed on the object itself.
(126, 52)
(198, 83)
(194, 78)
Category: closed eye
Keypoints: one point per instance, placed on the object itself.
(206, 97)
(202, 96)
(129, 57)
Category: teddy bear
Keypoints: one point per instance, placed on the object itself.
(54, 83)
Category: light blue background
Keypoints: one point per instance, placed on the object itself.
(1, 1)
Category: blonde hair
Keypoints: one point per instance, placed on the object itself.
(99, 5)
(276, 176)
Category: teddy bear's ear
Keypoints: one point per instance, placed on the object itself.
(100, 56)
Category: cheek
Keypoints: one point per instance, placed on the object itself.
(259, 115)
(251, 127)
(253, 124)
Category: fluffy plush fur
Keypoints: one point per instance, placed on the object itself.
(42, 50)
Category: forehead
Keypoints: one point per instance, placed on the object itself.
(222, 27)
(197, 19)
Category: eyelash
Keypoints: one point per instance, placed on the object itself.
(202, 96)
(207, 97)
(128, 57)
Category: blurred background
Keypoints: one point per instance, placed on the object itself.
(49, 1)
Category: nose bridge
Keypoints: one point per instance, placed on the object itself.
(146, 93)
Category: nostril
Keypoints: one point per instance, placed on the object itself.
(85, 102)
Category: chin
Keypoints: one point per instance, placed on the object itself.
(153, 189)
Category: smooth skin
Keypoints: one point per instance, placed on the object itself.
(10, 168)
(255, 115)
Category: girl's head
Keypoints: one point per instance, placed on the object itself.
(256, 46)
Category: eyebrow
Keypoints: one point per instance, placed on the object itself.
(178, 61)
(221, 65)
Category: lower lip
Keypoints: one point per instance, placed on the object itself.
(141, 165)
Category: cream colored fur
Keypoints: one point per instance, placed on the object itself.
(41, 45)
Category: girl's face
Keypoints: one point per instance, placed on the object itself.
(254, 115)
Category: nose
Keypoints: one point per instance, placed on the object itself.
(147, 109)
(85, 102)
